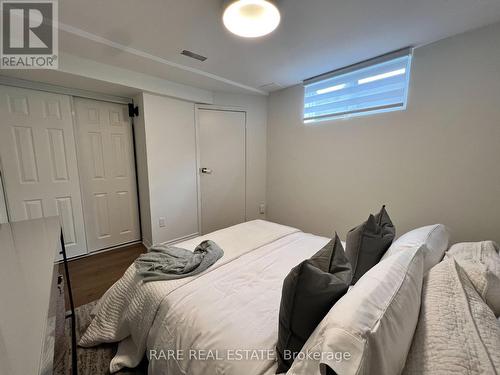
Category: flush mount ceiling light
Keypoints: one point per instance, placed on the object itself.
(251, 18)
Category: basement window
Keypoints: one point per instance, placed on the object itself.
(374, 86)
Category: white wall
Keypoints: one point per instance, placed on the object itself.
(438, 161)
(169, 136)
(256, 135)
(94, 70)
(166, 162)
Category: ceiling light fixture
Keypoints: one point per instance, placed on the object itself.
(251, 18)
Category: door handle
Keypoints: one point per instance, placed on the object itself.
(206, 170)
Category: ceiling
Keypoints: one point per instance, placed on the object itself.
(315, 36)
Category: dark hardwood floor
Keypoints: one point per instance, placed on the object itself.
(93, 275)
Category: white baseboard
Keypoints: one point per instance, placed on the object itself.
(118, 247)
(145, 242)
(181, 239)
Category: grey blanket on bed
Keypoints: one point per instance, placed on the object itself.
(165, 262)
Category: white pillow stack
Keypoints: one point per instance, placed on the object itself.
(435, 237)
(369, 330)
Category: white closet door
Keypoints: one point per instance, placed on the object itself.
(38, 159)
(221, 144)
(109, 190)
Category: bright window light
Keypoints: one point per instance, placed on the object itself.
(374, 86)
(382, 76)
(331, 89)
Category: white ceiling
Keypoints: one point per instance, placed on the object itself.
(315, 36)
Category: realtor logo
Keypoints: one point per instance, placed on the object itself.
(29, 34)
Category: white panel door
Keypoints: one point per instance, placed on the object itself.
(38, 159)
(106, 159)
(221, 144)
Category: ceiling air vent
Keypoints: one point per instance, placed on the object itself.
(193, 55)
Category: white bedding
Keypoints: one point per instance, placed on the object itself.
(456, 331)
(211, 322)
(228, 314)
(185, 316)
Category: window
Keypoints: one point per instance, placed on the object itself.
(374, 86)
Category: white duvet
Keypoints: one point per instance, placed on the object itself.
(230, 317)
(212, 322)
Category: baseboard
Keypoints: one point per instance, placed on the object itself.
(103, 251)
(181, 239)
(144, 242)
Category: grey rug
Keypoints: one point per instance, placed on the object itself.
(91, 361)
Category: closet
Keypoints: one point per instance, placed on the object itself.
(73, 158)
(107, 172)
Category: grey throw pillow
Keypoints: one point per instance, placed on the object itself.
(309, 292)
(367, 243)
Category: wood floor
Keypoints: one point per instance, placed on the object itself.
(93, 275)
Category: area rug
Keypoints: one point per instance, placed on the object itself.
(91, 361)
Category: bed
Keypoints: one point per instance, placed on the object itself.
(222, 321)
(237, 297)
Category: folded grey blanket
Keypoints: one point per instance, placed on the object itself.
(165, 262)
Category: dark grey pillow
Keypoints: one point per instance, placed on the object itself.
(309, 292)
(367, 243)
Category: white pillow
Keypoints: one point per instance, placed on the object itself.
(373, 323)
(435, 238)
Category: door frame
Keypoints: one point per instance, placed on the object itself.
(220, 108)
(4, 211)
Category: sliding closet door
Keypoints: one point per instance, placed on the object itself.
(221, 145)
(106, 158)
(38, 161)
